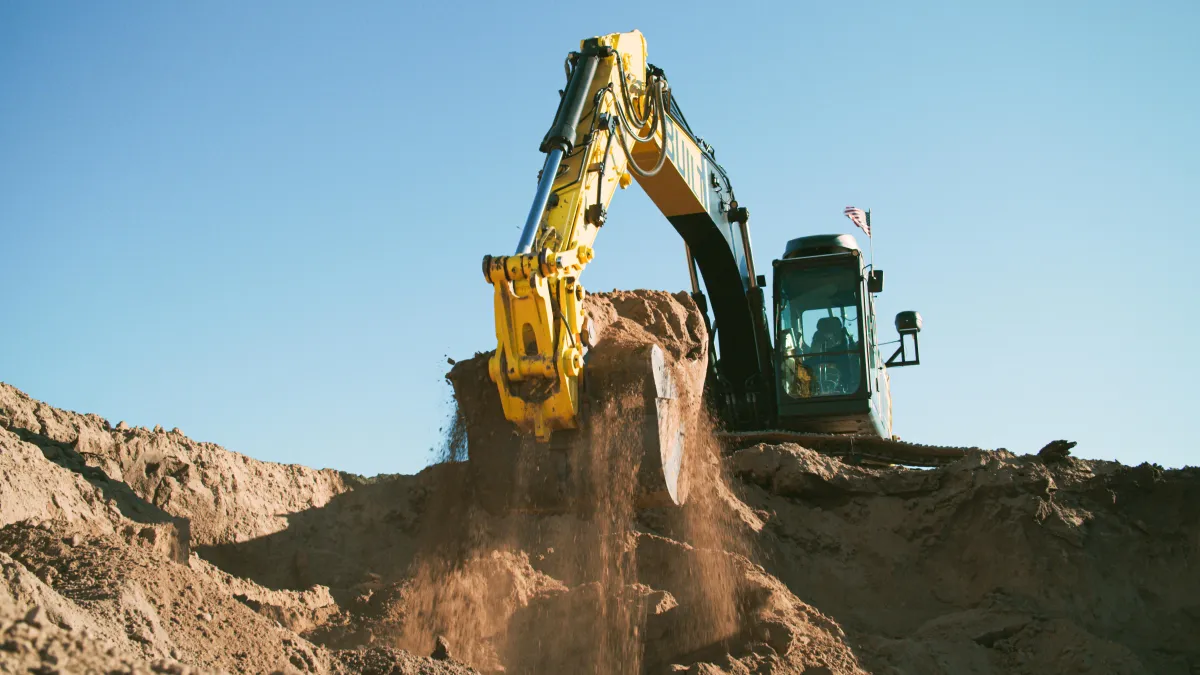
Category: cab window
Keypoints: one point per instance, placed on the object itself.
(818, 332)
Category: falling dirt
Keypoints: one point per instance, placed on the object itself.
(600, 621)
(140, 550)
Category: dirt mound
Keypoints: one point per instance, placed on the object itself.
(995, 564)
(160, 476)
(100, 574)
(139, 550)
(646, 586)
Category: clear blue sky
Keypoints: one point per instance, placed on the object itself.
(262, 222)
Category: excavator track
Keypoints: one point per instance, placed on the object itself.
(858, 449)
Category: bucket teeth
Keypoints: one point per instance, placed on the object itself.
(668, 440)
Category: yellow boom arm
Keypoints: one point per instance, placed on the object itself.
(614, 124)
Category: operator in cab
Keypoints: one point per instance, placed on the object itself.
(823, 304)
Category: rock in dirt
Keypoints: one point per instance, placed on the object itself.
(441, 650)
(1056, 451)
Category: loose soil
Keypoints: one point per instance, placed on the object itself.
(140, 550)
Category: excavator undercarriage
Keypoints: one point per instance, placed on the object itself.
(859, 449)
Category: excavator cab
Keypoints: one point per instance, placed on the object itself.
(830, 377)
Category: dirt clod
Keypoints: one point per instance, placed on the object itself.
(36, 617)
(441, 650)
(1056, 451)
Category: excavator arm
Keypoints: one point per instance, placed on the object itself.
(618, 122)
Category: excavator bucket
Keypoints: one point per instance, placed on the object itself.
(640, 400)
(636, 419)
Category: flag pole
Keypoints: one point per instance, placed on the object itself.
(871, 239)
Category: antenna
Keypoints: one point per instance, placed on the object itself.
(870, 239)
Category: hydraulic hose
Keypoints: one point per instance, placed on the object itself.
(629, 127)
(662, 155)
(639, 122)
(644, 173)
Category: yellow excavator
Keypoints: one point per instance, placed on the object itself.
(822, 381)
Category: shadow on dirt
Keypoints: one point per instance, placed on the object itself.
(367, 536)
(128, 502)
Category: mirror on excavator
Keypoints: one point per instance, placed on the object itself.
(908, 324)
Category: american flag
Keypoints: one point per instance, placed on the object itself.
(859, 218)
